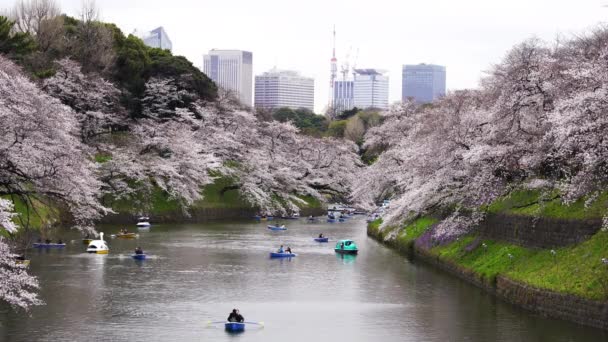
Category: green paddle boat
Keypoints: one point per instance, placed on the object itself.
(346, 247)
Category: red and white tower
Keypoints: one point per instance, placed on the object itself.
(334, 71)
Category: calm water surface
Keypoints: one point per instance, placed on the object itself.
(198, 272)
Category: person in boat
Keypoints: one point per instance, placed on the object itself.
(288, 250)
(321, 236)
(60, 241)
(281, 250)
(138, 250)
(342, 245)
(235, 316)
(47, 241)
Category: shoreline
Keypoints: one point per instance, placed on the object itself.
(548, 303)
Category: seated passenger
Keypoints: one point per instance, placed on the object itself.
(321, 236)
(281, 250)
(288, 250)
(138, 250)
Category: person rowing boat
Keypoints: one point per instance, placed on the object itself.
(235, 316)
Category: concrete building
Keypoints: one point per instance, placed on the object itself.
(233, 71)
(370, 88)
(156, 38)
(344, 96)
(423, 82)
(284, 88)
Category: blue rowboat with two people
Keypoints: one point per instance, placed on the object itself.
(282, 255)
(49, 245)
(323, 239)
(277, 227)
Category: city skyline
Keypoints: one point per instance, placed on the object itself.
(443, 32)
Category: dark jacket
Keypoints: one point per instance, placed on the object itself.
(235, 317)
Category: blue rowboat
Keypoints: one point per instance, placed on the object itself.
(325, 239)
(49, 245)
(282, 255)
(234, 326)
(138, 256)
(341, 220)
(331, 220)
(277, 228)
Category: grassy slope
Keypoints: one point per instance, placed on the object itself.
(529, 202)
(574, 270)
(43, 215)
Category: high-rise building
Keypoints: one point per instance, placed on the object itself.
(370, 88)
(284, 88)
(233, 71)
(156, 38)
(423, 82)
(344, 96)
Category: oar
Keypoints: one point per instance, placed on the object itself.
(256, 323)
(217, 322)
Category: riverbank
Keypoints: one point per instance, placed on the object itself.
(517, 258)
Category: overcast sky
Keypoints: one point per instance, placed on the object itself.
(466, 36)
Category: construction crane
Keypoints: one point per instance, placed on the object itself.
(355, 63)
(345, 66)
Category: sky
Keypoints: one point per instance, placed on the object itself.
(466, 36)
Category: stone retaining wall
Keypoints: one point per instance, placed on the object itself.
(552, 304)
(538, 232)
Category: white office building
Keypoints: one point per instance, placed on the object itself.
(156, 38)
(284, 88)
(344, 96)
(233, 71)
(370, 89)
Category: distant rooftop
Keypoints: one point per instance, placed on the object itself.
(370, 71)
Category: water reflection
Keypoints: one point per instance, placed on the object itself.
(346, 258)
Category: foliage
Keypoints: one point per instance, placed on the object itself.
(336, 128)
(305, 120)
(15, 45)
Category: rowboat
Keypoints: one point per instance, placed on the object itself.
(125, 235)
(25, 262)
(49, 245)
(277, 227)
(331, 220)
(282, 255)
(234, 326)
(324, 239)
(138, 256)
